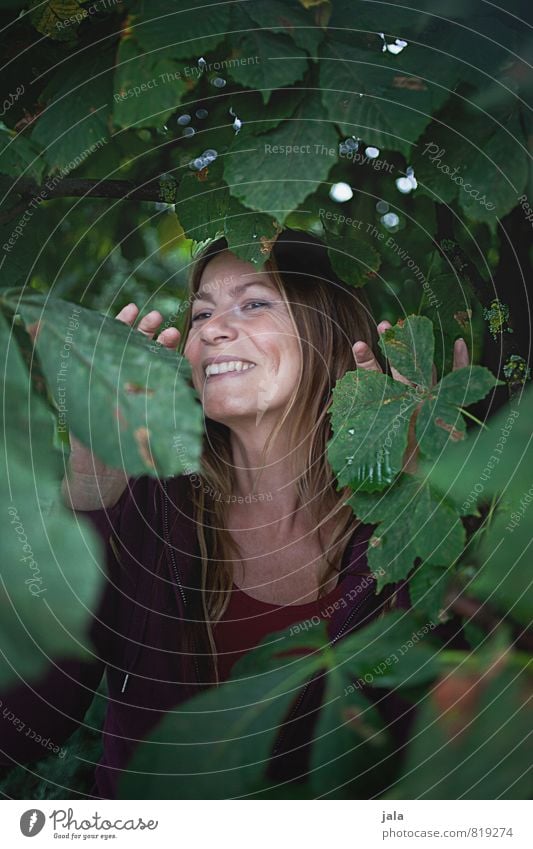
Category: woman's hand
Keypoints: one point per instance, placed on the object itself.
(364, 358)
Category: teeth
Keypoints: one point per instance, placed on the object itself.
(222, 368)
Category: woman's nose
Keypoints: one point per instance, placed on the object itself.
(218, 327)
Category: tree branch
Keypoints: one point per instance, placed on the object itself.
(75, 188)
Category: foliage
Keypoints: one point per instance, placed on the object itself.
(133, 132)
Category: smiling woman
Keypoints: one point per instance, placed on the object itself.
(201, 568)
(292, 325)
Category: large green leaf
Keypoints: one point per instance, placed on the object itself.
(177, 29)
(217, 746)
(202, 201)
(409, 346)
(74, 124)
(497, 175)
(413, 522)
(19, 156)
(349, 742)
(352, 256)
(250, 234)
(274, 172)
(440, 419)
(370, 421)
(277, 62)
(148, 87)
(371, 413)
(490, 461)
(471, 736)
(50, 578)
(392, 651)
(285, 17)
(359, 94)
(125, 397)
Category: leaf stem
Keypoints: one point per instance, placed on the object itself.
(474, 418)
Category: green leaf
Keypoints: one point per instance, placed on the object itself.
(284, 17)
(359, 94)
(427, 591)
(413, 522)
(468, 738)
(352, 257)
(176, 29)
(219, 745)
(202, 202)
(370, 421)
(122, 395)
(58, 19)
(440, 419)
(250, 235)
(276, 62)
(50, 575)
(22, 239)
(148, 87)
(371, 412)
(349, 742)
(392, 651)
(409, 347)
(275, 171)
(491, 461)
(497, 175)
(19, 156)
(75, 122)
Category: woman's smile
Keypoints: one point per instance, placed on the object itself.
(232, 369)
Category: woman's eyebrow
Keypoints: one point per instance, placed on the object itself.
(203, 295)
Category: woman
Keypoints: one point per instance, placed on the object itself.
(202, 567)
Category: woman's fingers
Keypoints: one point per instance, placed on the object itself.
(128, 314)
(170, 337)
(461, 357)
(364, 357)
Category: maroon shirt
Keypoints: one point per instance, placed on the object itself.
(147, 601)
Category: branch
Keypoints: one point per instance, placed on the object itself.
(155, 190)
(480, 614)
(502, 334)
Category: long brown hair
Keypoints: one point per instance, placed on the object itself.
(328, 318)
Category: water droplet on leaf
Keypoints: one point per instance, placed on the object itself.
(403, 184)
(390, 219)
(183, 120)
(382, 206)
(188, 131)
(372, 152)
(201, 113)
(218, 82)
(340, 192)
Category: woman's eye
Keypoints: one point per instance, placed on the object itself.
(257, 303)
(251, 304)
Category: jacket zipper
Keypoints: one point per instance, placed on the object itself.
(174, 564)
(304, 691)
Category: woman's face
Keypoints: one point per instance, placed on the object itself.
(239, 316)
